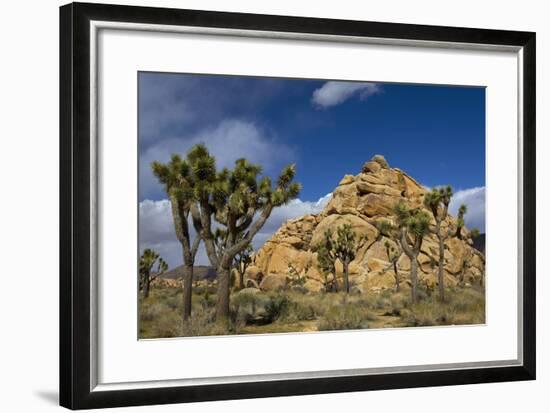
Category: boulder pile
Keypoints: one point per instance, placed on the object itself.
(362, 201)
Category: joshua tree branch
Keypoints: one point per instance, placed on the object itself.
(246, 220)
(254, 228)
(195, 246)
(203, 228)
(405, 244)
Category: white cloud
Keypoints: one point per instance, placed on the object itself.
(474, 199)
(230, 140)
(155, 221)
(333, 93)
(294, 209)
(156, 229)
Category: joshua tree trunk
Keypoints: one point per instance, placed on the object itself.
(241, 280)
(441, 273)
(146, 285)
(189, 252)
(187, 289)
(345, 264)
(222, 305)
(335, 282)
(412, 253)
(414, 279)
(397, 286)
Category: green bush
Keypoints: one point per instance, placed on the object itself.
(346, 317)
(152, 311)
(298, 311)
(275, 307)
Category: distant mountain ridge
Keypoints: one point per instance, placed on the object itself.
(479, 243)
(200, 272)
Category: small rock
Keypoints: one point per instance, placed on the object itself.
(381, 161)
(371, 167)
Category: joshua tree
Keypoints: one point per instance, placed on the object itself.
(240, 202)
(178, 181)
(294, 278)
(393, 256)
(326, 260)
(393, 252)
(460, 220)
(386, 228)
(146, 275)
(474, 233)
(345, 248)
(437, 201)
(241, 262)
(414, 224)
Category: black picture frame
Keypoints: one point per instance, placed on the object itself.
(75, 219)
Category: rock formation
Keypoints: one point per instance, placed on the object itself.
(361, 201)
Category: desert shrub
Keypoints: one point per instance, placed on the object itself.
(158, 320)
(168, 324)
(298, 309)
(382, 303)
(346, 317)
(399, 301)
(243, 298)
(275, 307)
(294, 279)
(423, 293)
(468, 304)
(386, 293)
(174, 302)
(208, 301)
(420, 315)
(151, 311)
(201, 323)
(463, 306)
(161, 293)
(245, 305)
(200, 289)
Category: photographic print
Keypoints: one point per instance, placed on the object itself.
(274, 205)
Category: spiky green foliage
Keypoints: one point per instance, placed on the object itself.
(414, 225)
(385, 227)
(240, 201)
(460, 220)
(146, 273)
(176, 177)
(346, 243)
(294, 278)
(474, 233)
(242, 261)
(437, 201)
(401, 211)
(416, 221)
(179, 178)
(345, 248)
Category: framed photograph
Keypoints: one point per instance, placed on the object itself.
(258, 206)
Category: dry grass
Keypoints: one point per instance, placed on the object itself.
(293, 311)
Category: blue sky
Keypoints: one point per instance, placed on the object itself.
(328, 128)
